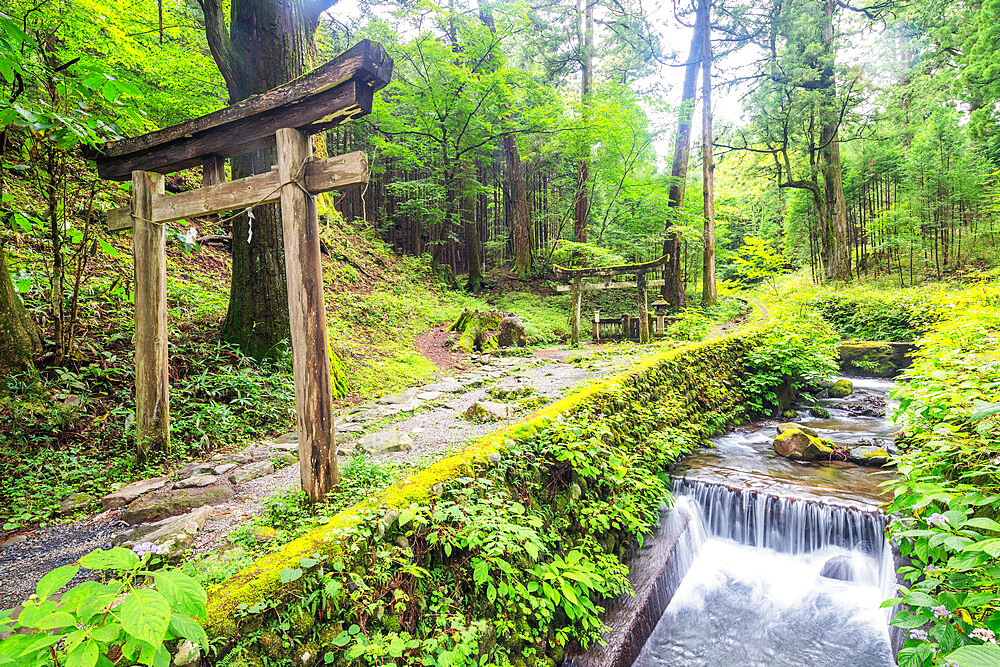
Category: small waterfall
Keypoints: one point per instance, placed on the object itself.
(786, 525)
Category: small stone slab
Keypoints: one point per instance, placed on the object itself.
(386, 441)
(446, 386)
(167, 503)
(397, 399)
(192, 469)
(259, 452)
(224, 468)
(196, 481)
(233, 457)
(75, 502)
(430, 395)
(172, 535)
(127, 494)
(251, 471)
(410, 405)
(353, 427)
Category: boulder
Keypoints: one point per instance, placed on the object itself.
(798, 445)
(197, 480)
(790, 426)
(819, 411)
(127, 494)
(487, 411)
(263, 534)
(251, 471)
(76, 502)
(167, 503)
(172, 535)
(512, 332)
(838, 567)
(869, 455)
(386, 441)
(841, 388)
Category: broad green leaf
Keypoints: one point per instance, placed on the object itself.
(289, 575)
(188, 628)
(84, 655)
(55, 580)
(115, 558)
(145, 615)
(182, 592)
(987, 655)
(59, 619)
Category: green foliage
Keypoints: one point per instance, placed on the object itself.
(797, 350)
(758, 261)
(136, 610)
(948, 495)
(877, 315)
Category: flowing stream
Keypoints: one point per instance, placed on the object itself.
(783, 563)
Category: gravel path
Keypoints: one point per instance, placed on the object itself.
(436, 427)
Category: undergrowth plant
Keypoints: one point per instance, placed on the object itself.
(135, 615)
(947, 497)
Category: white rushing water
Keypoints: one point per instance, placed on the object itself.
(754, 593)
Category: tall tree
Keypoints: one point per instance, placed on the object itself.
(585, 15)
(266, 44)
(520, 220)
(19, 340)
(673, 288)
(708, 287)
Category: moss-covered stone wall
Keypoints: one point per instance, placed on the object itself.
(696, 387)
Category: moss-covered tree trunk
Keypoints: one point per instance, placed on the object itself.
(19, 340)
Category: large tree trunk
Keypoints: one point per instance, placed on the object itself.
(585, 11)
(673, 287)
(708, 287)
(520, 220)
(269, 43)
(19, 340)
(474, 283)
(839, 266)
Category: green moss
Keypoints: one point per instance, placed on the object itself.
(876, 454)
(819, 411)
(877, 358)
(841, 389)
(665, 378)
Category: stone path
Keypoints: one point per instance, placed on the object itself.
(198, 505)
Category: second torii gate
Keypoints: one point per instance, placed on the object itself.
(284, 118)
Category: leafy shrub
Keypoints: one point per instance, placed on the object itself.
(135, 612)
(948, 495)
(877, 315)
(797, 350)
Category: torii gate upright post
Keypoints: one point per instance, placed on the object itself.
(284, 118)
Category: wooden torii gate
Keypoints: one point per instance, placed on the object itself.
(577, 287)
(337, 92)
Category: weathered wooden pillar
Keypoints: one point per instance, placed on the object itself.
(577, 301)
(307, 316)
(643, 309)
(152, 384)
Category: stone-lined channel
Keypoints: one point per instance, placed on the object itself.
(766, 562)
